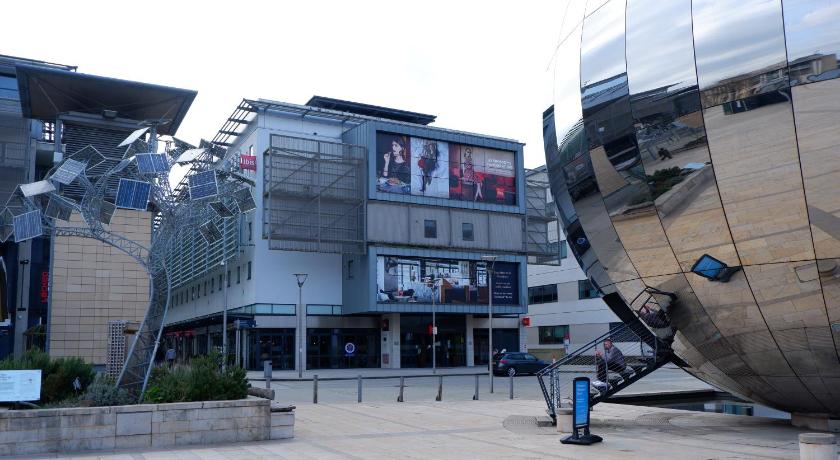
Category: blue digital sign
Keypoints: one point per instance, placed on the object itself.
(581, 402)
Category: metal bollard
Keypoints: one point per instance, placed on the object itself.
(475, 396)
(439, 396)
(402, 386)
(315, 389)
(511, 387)
(267, 368)
(360, 389)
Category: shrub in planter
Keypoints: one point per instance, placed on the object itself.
(57, 375)
(104, 392)
(203, 380)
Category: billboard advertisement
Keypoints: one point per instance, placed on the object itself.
(409, 280)
(417, 166)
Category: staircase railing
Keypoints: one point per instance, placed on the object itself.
(612, 361)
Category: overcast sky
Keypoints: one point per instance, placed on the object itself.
(480, 66)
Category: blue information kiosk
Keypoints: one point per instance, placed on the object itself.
(580, 414)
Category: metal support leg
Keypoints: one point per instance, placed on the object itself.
(439, 396)
(475, 395)
(511, 387)
(315, 389)
(359, 390)
(402, 386)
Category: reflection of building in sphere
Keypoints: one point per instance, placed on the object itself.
(714, 176)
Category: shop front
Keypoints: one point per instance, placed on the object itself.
(416, 341)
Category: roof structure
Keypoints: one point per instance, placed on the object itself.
(46, 93)
(371, 110)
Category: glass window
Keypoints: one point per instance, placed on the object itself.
(228, 278)
(542, 294)
(586, 290)
(552, 335)
(564, 250)
(467, 231)
(250, 232)
(350, 268)
(249, 269)
(9, 88)
(238, 274)
(212, 285)
(740, 48)
(430, 228)
(221, 276)
(205, 289)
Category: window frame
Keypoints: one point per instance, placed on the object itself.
(430, 228)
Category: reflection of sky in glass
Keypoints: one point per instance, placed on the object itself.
(602, 47)
(812, 27)
(567, 109)
(659, 45)
(736, 37)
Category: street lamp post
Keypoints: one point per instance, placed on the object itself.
(301, 323)
(433, 284)
(492, 263)
(224, 320)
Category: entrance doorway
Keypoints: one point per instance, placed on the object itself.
(416, 340)
(277, 345)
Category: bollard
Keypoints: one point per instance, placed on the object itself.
(360, 389)
(439, 396)
(267, 368)
(475, 395)
(817, 446)
(511, 387)
(402, 385)
(315, 389)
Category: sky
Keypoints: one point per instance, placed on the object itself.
(480, 66)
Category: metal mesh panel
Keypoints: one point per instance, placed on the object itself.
(193, 258)
(314, 196)
(115, 356)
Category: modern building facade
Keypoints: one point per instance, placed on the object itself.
(565, 310)
(697, 157)
(390, 219)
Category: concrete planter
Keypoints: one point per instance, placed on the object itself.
(141, 426)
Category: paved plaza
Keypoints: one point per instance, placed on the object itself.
(499, 429)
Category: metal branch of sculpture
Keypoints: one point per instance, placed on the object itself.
(94, 186)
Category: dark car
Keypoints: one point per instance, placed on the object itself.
(514, 363)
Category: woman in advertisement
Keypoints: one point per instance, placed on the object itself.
(469, 176)
(395, 176)
(428, 163)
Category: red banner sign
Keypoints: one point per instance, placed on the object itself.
(248, 162)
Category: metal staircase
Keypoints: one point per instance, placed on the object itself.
(644, 348)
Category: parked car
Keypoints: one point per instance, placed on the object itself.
(514, 363)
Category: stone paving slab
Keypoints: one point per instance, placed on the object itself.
(500, 429)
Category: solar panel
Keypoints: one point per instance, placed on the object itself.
(68, 171)
(210, 232)
(106, 212)
(133, 137)
(37, 188)
(27, 226)
(88, 155)
(203, 185)
(6, 227)
(152, 163)
(59, 208)
(133, 194)
(221, 209)
(121, 165)
(244, 200)
(189, 155)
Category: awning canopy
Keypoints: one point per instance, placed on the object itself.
(46, 93)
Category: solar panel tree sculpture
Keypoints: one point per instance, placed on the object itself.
(80, 194)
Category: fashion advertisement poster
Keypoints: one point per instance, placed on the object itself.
(418, 280)
(393, 163)
(426, 167)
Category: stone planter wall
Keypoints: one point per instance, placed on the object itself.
(141, 426)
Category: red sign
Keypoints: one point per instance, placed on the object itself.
(526, 321)
(248, 162)
(45, 287)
